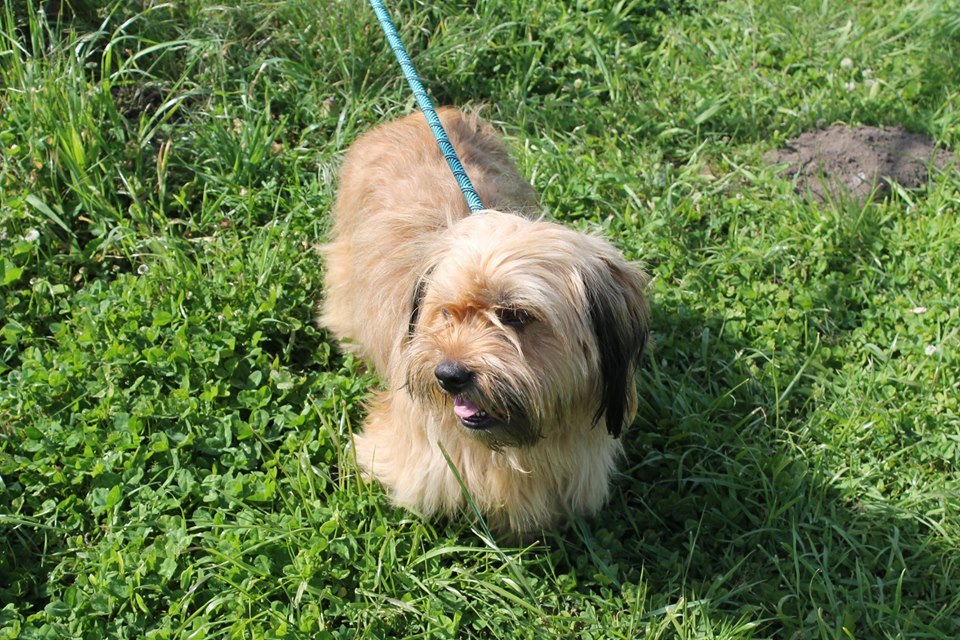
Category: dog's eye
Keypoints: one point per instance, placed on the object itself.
(516, 318)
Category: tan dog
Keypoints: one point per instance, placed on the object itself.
(503, 340)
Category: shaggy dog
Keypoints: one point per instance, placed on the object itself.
(507, 344)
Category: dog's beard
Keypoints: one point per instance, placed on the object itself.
(501, 406)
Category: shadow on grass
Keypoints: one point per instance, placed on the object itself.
(720, 508)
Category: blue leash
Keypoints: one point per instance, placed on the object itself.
(423, 101)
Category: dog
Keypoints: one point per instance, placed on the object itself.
(507, 343)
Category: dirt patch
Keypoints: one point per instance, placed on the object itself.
(855, 163)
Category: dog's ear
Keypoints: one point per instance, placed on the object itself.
(419, 289)
(619, 319)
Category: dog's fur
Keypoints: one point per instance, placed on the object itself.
(543, 327)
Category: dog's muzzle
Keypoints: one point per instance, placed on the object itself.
(456, 379)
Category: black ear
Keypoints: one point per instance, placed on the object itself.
(618, 317)
(419, 289)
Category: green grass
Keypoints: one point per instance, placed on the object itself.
(174, 429)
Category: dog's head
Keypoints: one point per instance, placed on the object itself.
(518, 327)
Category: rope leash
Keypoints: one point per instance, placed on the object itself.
(423, 101)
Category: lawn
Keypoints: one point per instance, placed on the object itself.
(174, 428)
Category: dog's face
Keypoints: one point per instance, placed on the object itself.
(519, 327)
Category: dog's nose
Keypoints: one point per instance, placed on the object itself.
(452, 376)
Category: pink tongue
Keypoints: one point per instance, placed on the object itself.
(464, 409)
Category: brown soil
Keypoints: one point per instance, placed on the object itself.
(855, 163)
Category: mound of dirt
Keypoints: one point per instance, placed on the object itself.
(855, 163)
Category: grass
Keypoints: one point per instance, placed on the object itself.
(174, 429)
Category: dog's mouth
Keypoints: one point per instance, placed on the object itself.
(471, 416)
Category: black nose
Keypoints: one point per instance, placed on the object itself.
(452, 376)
